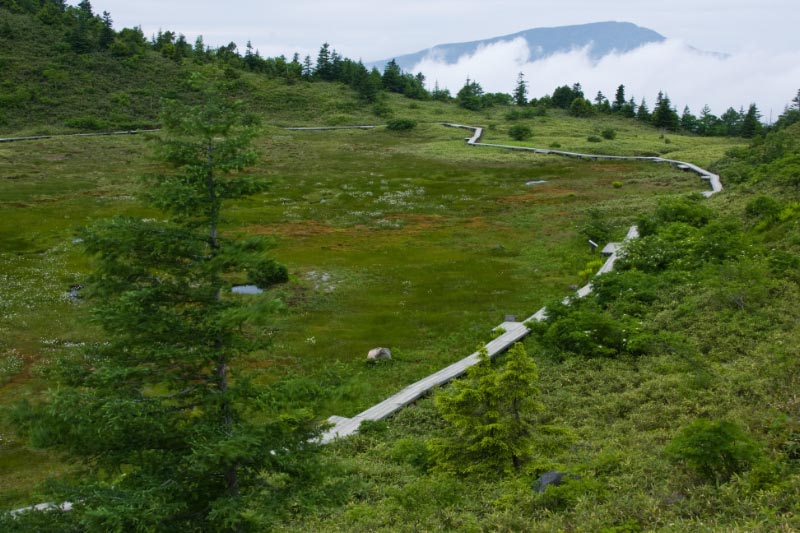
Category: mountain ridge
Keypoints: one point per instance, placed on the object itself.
(601, 37)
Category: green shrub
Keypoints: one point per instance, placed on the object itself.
(609, 133)
(714, 450)
(566, 495)
(520, 132)
(616, 184)
(763, 207)
(86, 123)
(582, 329)
(687, 209)
(596, 226)
(267, 273)
(382, 109)
(594, 139)
(401, 124)
(412, 451)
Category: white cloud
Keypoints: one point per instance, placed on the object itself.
(686, 75)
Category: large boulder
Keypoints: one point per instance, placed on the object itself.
(379, 353)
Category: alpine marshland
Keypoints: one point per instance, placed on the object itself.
(139, 384)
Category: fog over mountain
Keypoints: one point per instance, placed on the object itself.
(602, 56)
(599, 38)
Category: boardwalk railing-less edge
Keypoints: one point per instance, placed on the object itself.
(512, 331)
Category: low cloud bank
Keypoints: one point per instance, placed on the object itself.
(689, 77)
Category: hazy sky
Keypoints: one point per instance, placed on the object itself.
(756, 30)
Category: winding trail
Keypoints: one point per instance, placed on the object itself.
(477, 133)
(511, 331)
(102, 134)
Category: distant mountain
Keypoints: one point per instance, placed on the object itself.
(602, 37)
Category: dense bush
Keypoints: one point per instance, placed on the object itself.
(401, 124)
(267, 273)
(582, 328)
(594, 139)
(609, 133)
(714, 450)
(520, 132)
(687, 209)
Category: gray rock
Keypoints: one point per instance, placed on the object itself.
(554, 478)
(379, 353)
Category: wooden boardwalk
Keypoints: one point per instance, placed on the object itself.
(329, 128)
(512, 332)
(713, 179)
(102, 134)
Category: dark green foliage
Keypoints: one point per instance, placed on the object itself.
(401, 124)
(751, 125)
(564, 96)
(772, 158)
(619, 100)
(609, 134)
(392, 77)
(580, 107)
(715, 450)
(687, 209)
(664, 116)
(267, 272)
(562, 497)
(491, 416)
(170, 441)
(689, 122)
(470, 96)
(596, 227)
(643, 112)
(594, 139)
(520, 132)
(763, 207)
(521, 91)
(601, 103)
(582, 329)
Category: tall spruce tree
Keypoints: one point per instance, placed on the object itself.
(664, 116)
(619, 99)
(751, 125)
(172, 435)
(521, 91)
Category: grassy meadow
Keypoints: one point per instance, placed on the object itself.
(408, 240)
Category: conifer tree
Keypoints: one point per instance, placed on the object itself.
(171, 441)
(491, 415)
(619, 99)
(521, 91)
(751, 124)
(642, 112)
(664, 116)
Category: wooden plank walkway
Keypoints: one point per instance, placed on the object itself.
(102, 134)
(512, 332)
(328, 128)
(713, 179)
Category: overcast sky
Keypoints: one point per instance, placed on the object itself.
(752, 31)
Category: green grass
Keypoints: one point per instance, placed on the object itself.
(409, 240)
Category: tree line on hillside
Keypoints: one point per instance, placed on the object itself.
(731, 123)
(85, 32)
